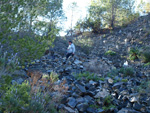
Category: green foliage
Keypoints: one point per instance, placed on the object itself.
(109, 14)
(19, 98)
(8, 64)
(23, 32)
(144, 87)
(124, 80)
(147, 64)
(5, 83)
(128, 71)
(94, 106)
(146, 56)
(133, 54)
(88, 76)
(54, 77)
(110, 52)
(107, 104)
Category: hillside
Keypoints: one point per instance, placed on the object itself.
(109, 73)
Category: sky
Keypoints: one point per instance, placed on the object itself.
(79, 13)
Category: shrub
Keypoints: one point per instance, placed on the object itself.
(19, 98)
(147, 64)
(88, 76)
(144, 87)
(133, 54)
(127, 71)
(53, 77)
(8, 64)
(146, 56)
(107, 104)
(124, 80)
(110, 52)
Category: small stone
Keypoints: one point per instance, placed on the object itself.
(37, 61)
(92, 82)
(81, 88)
(90, 110)
(101, 111)
(117, 85)
(104, 93)
(125, 110)
(80, 100)
(81, 67)
(72, 102)
(82, 107)
(133, 99)
(77, 62)
(69, 109)
(137, 106)
(110, 81)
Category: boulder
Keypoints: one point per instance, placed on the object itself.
(102, 94)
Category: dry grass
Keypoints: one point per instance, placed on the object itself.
(37, 81)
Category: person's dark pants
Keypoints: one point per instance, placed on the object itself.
(68, 54)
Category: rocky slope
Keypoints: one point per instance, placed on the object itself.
(110, 86)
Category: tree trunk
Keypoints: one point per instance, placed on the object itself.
(71, 22)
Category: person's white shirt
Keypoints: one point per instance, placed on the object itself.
(71, 48)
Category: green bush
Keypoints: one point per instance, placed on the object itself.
(110, 52)
(107, 104)
(133, 54)
(127, 71)
(54, 77)
(20, 99)
(89, 76)
(146, 56)
(144, 87)
(8, 64)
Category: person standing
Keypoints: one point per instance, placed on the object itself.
(70, 50)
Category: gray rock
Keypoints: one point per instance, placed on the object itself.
(125, 110)
(82, 107)
(68, 68)
(104, 93)
(81, 67)
(69, 109)
(90, 93)
(64, 100)
(137, 106)
(60, 71)
(148, 102)
(37, 61)
(124, 92)
(77, 62)
(21, 73)
(80, 100)
(133, 99)
(88, 99)
(72, 102)
(92, 82)
(117, 85)
(81, 88)
(110, 81)
(101, 111)
(90, 110)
